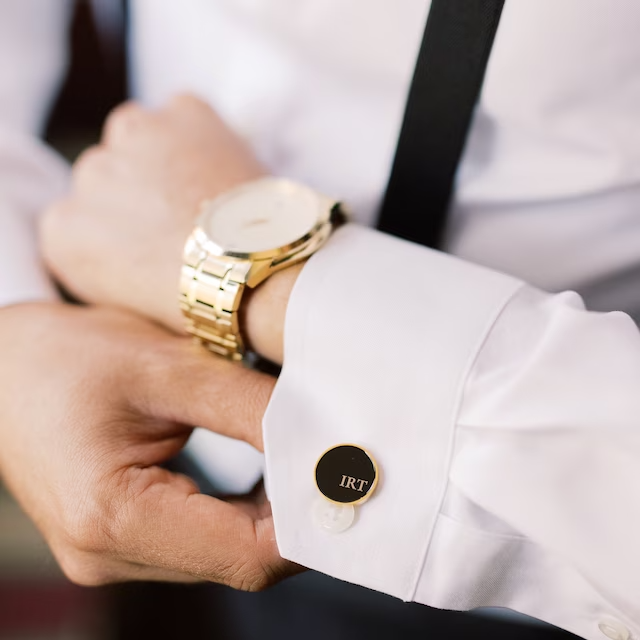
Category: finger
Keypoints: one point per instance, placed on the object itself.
(183, 382)
(174, 528)
(131, 128)
(195, 120)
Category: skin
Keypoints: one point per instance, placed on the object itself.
(81, 451)
(118, 237)
(112, 395)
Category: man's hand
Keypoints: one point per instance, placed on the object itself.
(91, 402)
(118, 238)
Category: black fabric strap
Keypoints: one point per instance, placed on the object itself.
(445, 87)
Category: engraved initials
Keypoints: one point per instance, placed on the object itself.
(351, 483)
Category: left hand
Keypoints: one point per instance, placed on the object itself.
(118, 238)
(92, 402)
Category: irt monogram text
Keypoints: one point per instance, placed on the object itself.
(350, 483)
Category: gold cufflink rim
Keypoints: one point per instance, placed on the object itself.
(376, 470)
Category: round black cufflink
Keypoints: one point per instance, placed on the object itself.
(346, 475)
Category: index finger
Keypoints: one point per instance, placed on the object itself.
(183, 382)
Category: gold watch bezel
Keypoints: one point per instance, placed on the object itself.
(325, 206)
(213, 278)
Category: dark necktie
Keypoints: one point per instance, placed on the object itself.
(446, 83)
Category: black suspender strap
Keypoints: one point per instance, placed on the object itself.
(446, 83)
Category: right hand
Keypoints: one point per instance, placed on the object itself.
(92, 401)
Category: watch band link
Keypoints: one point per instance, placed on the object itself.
(210, 293)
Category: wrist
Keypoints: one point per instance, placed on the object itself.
(264, 313)
(239, 240)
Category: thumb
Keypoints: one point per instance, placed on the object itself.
(185, 383)
(164, 522)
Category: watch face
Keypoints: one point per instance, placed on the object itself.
(261, 216)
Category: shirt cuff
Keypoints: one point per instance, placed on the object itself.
(31, 176)
(380, 336)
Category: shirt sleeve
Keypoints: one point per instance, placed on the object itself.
(32, 60)
(504, 421)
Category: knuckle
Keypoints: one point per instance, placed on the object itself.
(88, 530)
(187, 106)
(186, 101)
(84, 570)
(83, 536)
(122, 121)
(156, 362)
(154, 375)
(88, 162)
(263, 566)
(257, 568)
(249, 576)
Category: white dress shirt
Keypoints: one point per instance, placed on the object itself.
(504, 419)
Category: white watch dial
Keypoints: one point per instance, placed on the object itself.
(262, 216)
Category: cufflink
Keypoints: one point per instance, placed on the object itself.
(346, 475)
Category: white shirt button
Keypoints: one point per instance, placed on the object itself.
(332, 517)
(614, 629)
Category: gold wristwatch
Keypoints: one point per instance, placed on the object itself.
(240, 239)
